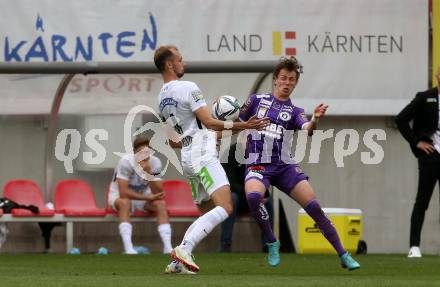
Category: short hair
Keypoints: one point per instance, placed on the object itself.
(163, 54)
(140, 141)
(290, 64)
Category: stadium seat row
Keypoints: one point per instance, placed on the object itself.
(74, 202)
(75, 198)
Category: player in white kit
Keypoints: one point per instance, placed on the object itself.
(181, 105)
(130, 190)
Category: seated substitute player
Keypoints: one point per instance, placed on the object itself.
(268, 163)
(183, 107)
(130, 191)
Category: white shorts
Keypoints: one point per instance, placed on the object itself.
(205, 181)
(135, 204)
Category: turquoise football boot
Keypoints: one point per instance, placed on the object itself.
(274, 253)
(348, 262)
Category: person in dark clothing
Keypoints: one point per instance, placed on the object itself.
(235, 173)
(424, 139)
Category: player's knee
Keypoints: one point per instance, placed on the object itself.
(234, 198)
(123, 203)
(228, 208)
(160, 205)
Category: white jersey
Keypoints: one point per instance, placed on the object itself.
(178, 100)
(126, 169)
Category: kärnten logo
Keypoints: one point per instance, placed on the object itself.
(59, 47)
(282, 43)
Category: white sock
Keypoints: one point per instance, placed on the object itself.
(190, 228)
(202, 227)
(188, 231)
(125, 230)
(165, 234)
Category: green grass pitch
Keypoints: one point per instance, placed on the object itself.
(235, 269)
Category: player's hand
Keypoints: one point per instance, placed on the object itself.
(320, 110)
(427, 147)
(145, 164)
(142, 157)
(257, 124)
(154, 196)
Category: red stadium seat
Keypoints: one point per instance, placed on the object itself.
(1, 212)
(142, 213)
(179, 199)
(26, 192)
(75, 198)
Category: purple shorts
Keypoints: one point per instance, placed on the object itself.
(284, 177)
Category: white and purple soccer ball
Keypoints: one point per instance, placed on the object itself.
(226, 108)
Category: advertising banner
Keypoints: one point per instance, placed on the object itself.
(360, 57)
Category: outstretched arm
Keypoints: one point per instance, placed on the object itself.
(318, 113)
(205, 118)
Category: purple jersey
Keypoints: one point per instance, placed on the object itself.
(267, 146)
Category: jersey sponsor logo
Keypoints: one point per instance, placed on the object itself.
(431, 100)
(205, 178)
(262, 112)
(266, 102)
(253, 174)
(256, 168)
(285, 116)
(276, 105)
(274, 131)
(262, 96)
(298, 170)
(287, 108)
(167, 102)
(197, 95)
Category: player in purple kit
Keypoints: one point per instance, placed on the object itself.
(269, 163)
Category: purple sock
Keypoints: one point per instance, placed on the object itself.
(325, 225)
(260, 214)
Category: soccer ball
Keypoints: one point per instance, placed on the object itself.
(226, 108)
(174, 267)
